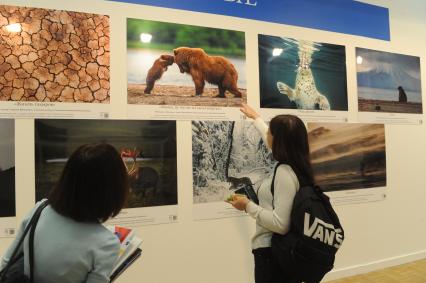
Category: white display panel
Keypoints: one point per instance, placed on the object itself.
(136, 217)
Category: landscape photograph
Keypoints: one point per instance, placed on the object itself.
(388, 82)
(348, 156)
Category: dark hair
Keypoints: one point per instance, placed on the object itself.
(93, 186)
(290, 146)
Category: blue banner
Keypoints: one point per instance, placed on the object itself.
(343, 16)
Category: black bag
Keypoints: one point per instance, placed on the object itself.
(13, 272)
(307, 252)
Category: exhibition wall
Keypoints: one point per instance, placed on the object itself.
(190, 235)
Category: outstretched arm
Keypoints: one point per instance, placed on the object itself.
(258, 122)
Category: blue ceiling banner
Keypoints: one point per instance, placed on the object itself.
(343, 16)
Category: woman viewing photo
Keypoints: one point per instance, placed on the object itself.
(70, 242)
(287, 138)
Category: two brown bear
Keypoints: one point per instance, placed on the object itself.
(203, 67)
(157, 70)
(214, 69)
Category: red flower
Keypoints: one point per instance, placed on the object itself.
(129, 153)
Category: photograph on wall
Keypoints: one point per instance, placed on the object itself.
(52, 56)
(147, 148)
(348, 157)
(226, 155)
(184, 65)
(7, 178)
(388, 82)
(302, 75)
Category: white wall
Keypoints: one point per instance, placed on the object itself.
(377, 234)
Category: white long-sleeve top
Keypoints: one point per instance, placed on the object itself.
(272, 217)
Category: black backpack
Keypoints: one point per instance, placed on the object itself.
(306, 253)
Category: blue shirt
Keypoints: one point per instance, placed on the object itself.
(68, 251)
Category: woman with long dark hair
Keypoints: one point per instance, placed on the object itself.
(288, 139)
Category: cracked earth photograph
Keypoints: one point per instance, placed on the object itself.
(54, 56)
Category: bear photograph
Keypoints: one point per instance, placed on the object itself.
(388, 82)
(299, 74)
(148, 149)
(174, 64)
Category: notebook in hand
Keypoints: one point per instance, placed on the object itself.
(129, 250)
(248, 190)
(121, 268)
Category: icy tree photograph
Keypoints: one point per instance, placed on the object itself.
(226, 154)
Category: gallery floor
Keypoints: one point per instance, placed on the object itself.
(413, 272)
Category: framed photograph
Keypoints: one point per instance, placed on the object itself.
(300, 74)
(148, 149)
(388, 82)
(172, 65)
(349, 160)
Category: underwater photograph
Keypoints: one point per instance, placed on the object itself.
(298, 74)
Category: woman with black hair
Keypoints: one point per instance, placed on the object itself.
(288, 139)
(70, 242)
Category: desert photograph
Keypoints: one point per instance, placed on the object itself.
(54, 56)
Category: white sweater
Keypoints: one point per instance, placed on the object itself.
(272, 218)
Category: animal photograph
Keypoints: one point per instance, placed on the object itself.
(299, 74)
(175, 64)
(348, 156)
(54, 56)
(226, 156)
(148, 149)
(7, 168)
(388, 82)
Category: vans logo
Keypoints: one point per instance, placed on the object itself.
(325, 232)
